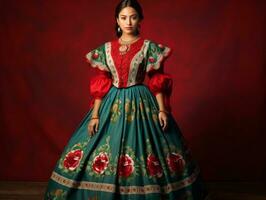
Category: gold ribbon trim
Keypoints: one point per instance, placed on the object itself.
(107, 187)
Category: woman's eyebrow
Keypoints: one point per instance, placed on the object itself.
(129, 15)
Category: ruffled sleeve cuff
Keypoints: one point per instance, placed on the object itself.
(156, 55)
(97, 58)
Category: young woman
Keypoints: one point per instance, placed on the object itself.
(128, 146)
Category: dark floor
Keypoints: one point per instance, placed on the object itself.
(218, 190)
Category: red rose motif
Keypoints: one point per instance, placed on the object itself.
(154, 167)
(151, 59)
(125, 165)
(100, 163)
(160, 45)
(175, 162)
(95, 55)
(72, 159)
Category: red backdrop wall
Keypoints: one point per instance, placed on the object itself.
(217, 67)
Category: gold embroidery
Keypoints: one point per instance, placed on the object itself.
(130, 110)
(135, 64)
(116, 110)
(111, 64)
(57, 194)
(107, 187)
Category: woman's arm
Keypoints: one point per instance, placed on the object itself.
(162, 115)
(161, 85)
(99, 87)
(159, 98)
(96, 107)
(93, 124)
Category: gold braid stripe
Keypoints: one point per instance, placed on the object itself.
(107, 187)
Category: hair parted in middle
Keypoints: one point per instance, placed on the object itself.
(127, 3)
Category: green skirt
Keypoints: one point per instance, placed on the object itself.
(130, 157)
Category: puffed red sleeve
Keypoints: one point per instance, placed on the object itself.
(101, 81)
(159, 81)
(99, 85)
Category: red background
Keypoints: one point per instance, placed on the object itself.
(217, 67)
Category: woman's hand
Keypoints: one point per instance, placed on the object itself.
(163, 119)
(93, 126)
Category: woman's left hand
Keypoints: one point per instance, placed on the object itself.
(163, 119)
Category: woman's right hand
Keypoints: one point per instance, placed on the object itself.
(93, 126)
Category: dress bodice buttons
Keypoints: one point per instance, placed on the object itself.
(123, 63)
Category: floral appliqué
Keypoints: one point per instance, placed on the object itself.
(71, 161)
(156, 53)
(177, 158)
(175, 162)
(152, 165)
(101, 163)
(128, 166)
(130, 109)
(116, 110)
(125, 165)
(57, 194)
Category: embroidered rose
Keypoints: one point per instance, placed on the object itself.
(125, 165)
(151, 59)
(161, 46)
(72, 159)
(100, 163)
(175, 162)
(95, 55)
(153, 166)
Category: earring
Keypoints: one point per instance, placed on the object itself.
(119, 29)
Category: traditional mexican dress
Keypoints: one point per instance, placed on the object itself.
(130, 157)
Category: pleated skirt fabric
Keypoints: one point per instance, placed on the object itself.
(129, 158)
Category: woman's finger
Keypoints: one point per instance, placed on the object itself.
(165, 123)
(161, 121)
(97, 126)
(92, 129)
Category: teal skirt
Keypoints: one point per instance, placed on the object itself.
(130, 157)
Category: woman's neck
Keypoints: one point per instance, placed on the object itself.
(126, 37)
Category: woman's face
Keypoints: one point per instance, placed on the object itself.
(128, 20)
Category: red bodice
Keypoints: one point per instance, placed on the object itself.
(122, 62)
(144, 57)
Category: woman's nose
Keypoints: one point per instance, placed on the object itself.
(128, 21)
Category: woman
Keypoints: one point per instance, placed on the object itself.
(128, 146)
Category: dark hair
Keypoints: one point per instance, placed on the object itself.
(127, 3)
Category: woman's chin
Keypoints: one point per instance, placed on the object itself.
(129, 31)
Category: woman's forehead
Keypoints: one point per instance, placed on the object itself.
(128, 11)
